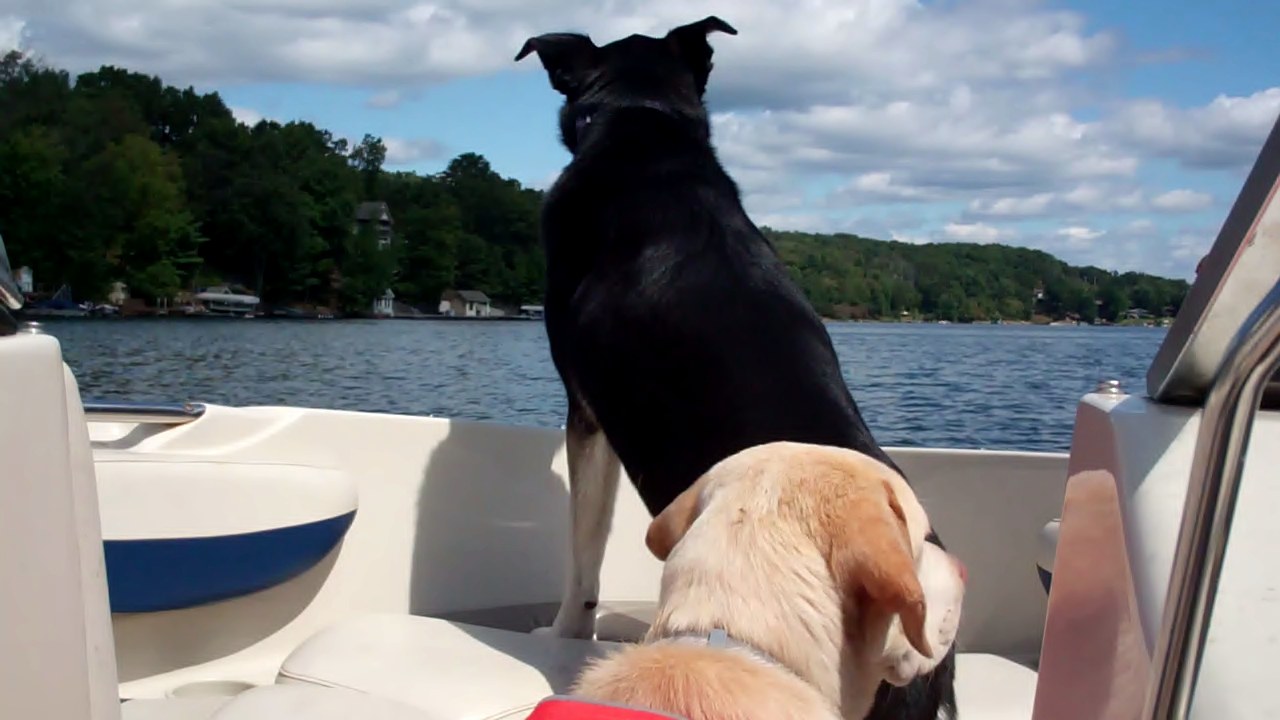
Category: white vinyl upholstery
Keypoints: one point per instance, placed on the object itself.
(56, 638)
(193, 708)
(305, 702)
(989, 687)
(455, 671)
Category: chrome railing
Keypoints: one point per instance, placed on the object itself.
(1251, 359)
(10, 295)
(145, 413)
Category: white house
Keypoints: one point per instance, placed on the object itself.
(26, 280)
(465, 303)
(385, 306)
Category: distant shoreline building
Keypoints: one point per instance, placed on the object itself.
(377, 213)
(465, 303)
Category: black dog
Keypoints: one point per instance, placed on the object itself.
(675, 327)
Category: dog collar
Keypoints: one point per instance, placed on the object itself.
(584, 120)
(720, 639)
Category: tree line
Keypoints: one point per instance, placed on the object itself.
(856, 277)
(117, 177)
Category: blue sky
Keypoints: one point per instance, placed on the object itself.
(1111, 133)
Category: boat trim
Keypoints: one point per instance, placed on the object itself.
(161, 574)
(1234, 398)
(10, 295)
(1232, 279)
(143, 413)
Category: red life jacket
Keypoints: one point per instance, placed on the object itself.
(565, 707)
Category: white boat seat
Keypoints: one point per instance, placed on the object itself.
(305, 702)
(192, 708)
(275, 702)
(990, 687)
(456, 671)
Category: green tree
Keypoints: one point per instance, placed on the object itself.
(118, 176)
(367, 271)
(134, 195)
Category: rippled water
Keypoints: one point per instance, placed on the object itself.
(937, 385)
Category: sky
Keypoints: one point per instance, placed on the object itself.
(1108, 133)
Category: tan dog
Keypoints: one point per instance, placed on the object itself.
(808, 566)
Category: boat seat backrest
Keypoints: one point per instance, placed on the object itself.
(59, 654)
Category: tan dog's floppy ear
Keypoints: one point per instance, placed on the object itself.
(871, 557)
(673, 522)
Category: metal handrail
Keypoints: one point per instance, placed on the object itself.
(143, 413)
(1251, 359)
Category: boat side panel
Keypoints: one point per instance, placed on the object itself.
(458, 516)
(1145, 449)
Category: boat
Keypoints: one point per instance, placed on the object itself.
(219, 300)
(206, 562)
(59, 304)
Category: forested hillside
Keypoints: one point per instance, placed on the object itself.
(115, 176)
(849, 276)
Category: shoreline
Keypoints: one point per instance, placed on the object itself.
(26, 317)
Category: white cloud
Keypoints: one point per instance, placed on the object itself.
(401, 151)
(977, 105)
(1090, 197)
(1226, 133)
(1182, 201)
(11, 33)
(1078, 236)
(973, 232)
(908, 238)
(781, 56)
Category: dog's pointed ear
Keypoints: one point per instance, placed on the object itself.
(567, 58)
(673, 522)
(870, 558)
(691, 46)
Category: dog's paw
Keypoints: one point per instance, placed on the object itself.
(580, 624)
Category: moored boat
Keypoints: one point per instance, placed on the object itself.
(219, 300)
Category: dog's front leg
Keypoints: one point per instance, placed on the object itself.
(594, 472)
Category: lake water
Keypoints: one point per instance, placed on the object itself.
(974, 386)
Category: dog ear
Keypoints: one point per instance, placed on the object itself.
(673, 522)
(567, 58)
(870, 557)
(691, 46)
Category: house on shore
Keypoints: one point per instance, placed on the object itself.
(465, 303)
(385, 306)
(375, 213)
